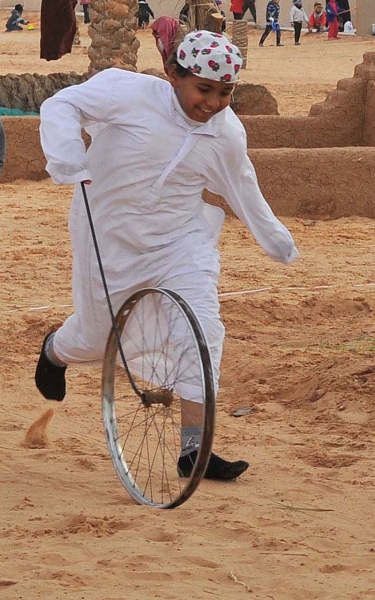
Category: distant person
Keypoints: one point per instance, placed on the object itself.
(344, 15)
(272, 22)
(144, 13)
(250, 5)
(2, 147)
(13, 23)
(183, 17)
(236, 8)
(58, 27)
(332, 11)
(219, 5)
(167, 34)
(318, 19)
(86, 10)
(297, 17)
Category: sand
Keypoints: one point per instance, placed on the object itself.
(299, 524)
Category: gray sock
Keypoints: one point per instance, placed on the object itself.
(190, 439)
(50, 353)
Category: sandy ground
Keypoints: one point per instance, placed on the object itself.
(299, 524)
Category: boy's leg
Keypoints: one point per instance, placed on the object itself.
(50, 372)
(265, 35)
(297, 32)
(331, 31)
(191, 434)
(195, 278)
(253, 10)
(278, 35)
(86, 13)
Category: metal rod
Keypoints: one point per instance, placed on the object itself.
(110, 308)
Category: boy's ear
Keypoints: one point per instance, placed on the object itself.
(172, 75)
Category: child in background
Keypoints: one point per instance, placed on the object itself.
(272, 22)
(297, 17)
(13, 23)
(86, 10)
(144, 13)
(183, 17)
(333, 10)
(219, 5)
(318, 19)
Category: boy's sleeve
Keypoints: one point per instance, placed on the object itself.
(237, 182)
(62, 118)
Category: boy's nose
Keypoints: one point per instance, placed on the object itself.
(213, 102)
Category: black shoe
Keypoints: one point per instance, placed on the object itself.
(218, 468)
(279, 44)
(49, 379)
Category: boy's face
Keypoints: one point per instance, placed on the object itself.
(200, 98)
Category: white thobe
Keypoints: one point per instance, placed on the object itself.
(149, 164)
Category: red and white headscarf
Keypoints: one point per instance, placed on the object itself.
(165, 29)
(210, 55)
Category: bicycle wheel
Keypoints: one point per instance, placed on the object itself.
(167, 382)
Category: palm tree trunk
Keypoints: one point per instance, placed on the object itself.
(112, 31)
(205, 16)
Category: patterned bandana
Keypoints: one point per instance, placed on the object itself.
(210, 55)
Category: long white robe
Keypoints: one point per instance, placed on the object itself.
(149, 164)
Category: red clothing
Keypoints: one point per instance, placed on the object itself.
(333, 30)
(236, 6)
(318, 21)
(333, 10)
(165, 30)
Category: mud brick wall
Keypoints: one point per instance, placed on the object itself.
(316, 183)
(326, 183)
(369, 130)
(25, 158)
(336, 122)
(345, 118)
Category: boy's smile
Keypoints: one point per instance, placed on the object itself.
(201, 98)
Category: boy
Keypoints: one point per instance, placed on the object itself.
(318, 19)
(13, 23)
(272, 22)
(153, 230)
(297, 17)
(144, 14)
